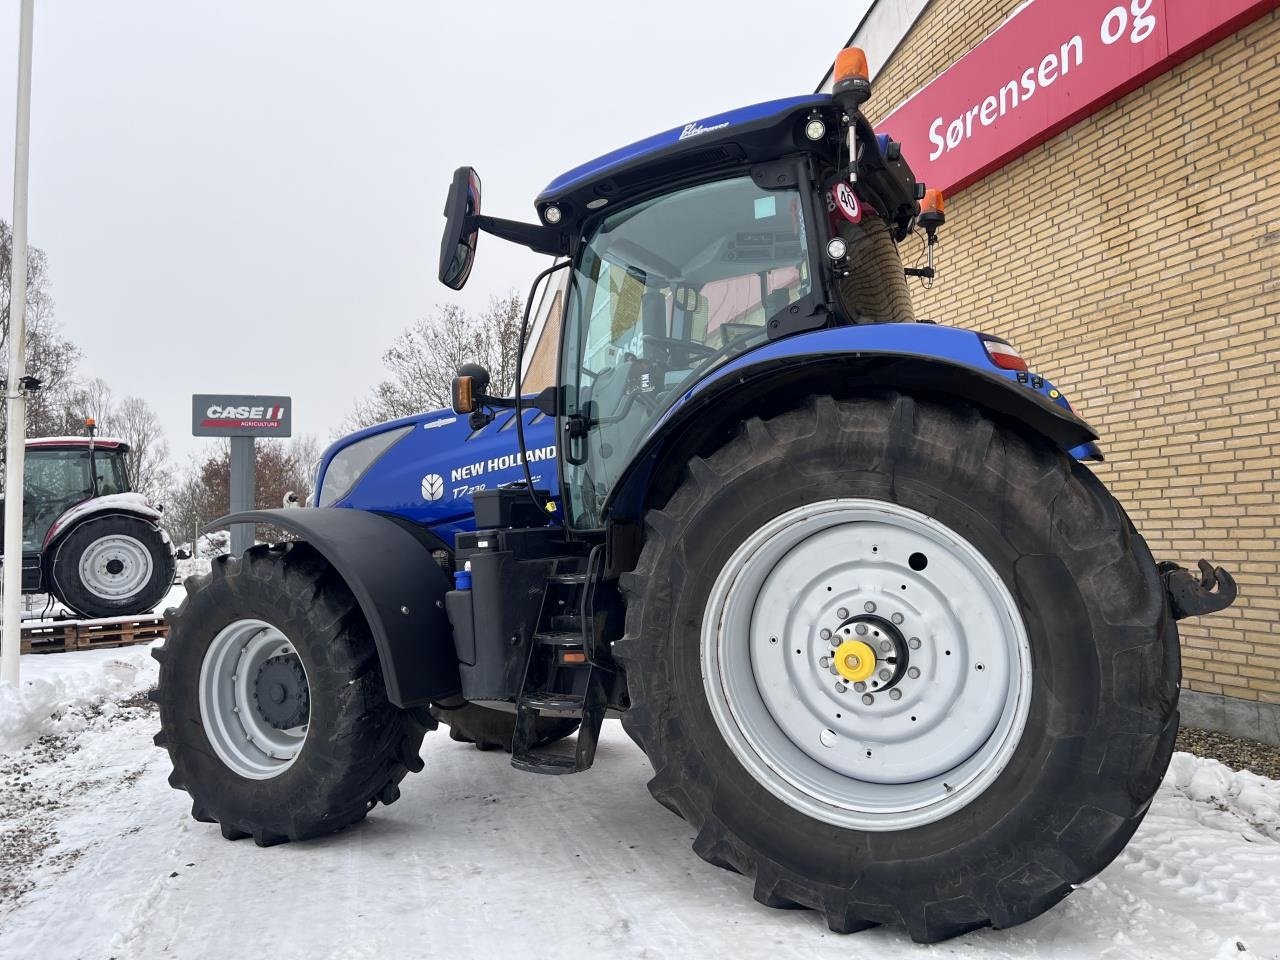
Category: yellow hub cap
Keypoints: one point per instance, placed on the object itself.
(855, 660)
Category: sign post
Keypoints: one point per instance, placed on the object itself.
(242, 418)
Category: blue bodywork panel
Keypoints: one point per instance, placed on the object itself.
(430, 475)
(904, 339)
(720, 125)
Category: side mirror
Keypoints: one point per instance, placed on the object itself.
(469, 388)
(458, 245)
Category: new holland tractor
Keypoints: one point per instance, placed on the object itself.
(88, 540)
(892, 649)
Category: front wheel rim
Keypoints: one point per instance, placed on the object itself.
(231, 684)
(789, 625)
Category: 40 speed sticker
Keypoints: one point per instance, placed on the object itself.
(845, 202)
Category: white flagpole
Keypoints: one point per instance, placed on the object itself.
(11, 628)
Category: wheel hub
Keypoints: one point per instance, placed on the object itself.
(855, 661)
(877, 645)
(280, 692)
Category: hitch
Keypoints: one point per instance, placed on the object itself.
(1191, 597)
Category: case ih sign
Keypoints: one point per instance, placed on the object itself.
(236, 415)
(1049, 65)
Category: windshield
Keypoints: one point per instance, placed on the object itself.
(53, 481)
(664, 291)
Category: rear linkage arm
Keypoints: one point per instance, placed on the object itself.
(1190, 596)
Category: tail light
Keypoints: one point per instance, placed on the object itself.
(1003, 355)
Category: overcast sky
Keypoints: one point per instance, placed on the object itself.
(246, 196)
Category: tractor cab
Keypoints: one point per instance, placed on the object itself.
(696, 247)
(61, 472)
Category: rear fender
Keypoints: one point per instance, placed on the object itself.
(925, 360)
(119, 504)
(400, 588)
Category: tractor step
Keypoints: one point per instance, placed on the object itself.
(547, 763)
(558, 638)
(564, 676)
(554, 704)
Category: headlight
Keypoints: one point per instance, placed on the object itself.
(351, 463)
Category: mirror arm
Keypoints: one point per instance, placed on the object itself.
(554, 243)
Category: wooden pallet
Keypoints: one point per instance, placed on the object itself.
(57, 636)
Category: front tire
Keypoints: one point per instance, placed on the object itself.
(1054, 786)
(272, 704)
(112, 566)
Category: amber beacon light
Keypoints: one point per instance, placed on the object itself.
(851, 78)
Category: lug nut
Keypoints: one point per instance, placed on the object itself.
(886, 646)
(914, 673)
(869, 607)
(895, 694)
(824, 633)
(868, 699)
(824, 662)
(842, 613)
(885, 674)
(841, 688)
(914, 643)
(860, 686)
(897, 618)
(860, 629)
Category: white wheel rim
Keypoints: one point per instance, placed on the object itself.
(802, 729)
(238, 731)
(115, 567)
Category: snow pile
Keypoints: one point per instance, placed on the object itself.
(1252, 798)
(61, 697)
(192, 567)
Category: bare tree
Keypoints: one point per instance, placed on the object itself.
(422, 360)
(201, 492)
(50, 356)
(147, 459)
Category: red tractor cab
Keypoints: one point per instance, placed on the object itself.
(87, 539)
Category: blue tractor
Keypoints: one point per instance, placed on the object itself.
(892, 649)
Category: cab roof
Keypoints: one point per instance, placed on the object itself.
(77, 443)
(762, 131)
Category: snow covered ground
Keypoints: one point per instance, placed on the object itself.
(99, 858)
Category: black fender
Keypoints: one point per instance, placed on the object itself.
(400, 588)
(711, 415)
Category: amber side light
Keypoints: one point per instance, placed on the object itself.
(463, 398)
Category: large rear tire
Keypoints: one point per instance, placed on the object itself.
(994, 566)
(112, 566)
(491, 729)
(272, 702)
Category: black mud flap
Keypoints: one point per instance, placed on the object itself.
(1191, 596)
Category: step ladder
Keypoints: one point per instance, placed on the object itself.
(567, 674)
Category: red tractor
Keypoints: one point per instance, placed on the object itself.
(87, 539)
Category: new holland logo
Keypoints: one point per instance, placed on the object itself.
(432, 486)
